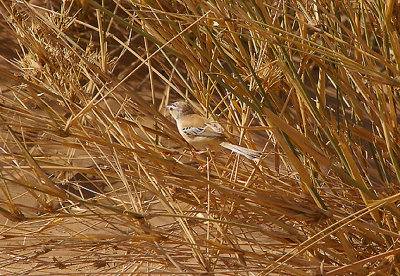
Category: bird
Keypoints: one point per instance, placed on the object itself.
(203, 133)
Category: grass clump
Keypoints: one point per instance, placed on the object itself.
(95, 177)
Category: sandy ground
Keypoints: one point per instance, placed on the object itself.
(83, 245)
(38, 246)
(65, 246)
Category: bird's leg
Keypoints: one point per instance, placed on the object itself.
(202, 168)
(194, 154)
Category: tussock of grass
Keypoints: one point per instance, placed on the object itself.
(95, 177)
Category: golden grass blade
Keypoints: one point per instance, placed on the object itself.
(95, 177)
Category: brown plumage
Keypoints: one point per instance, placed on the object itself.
(202, 133)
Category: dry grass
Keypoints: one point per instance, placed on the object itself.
(94, 177)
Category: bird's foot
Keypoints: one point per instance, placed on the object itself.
(193, 154)
(203, 168)
(206, 166)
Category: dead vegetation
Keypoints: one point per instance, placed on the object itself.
(94, 177)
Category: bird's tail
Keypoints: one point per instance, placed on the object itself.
(248, 153)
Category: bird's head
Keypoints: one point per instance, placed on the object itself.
(178, 109)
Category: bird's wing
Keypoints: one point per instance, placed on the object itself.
(195, 125)
(215, 127)
(205, 131)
